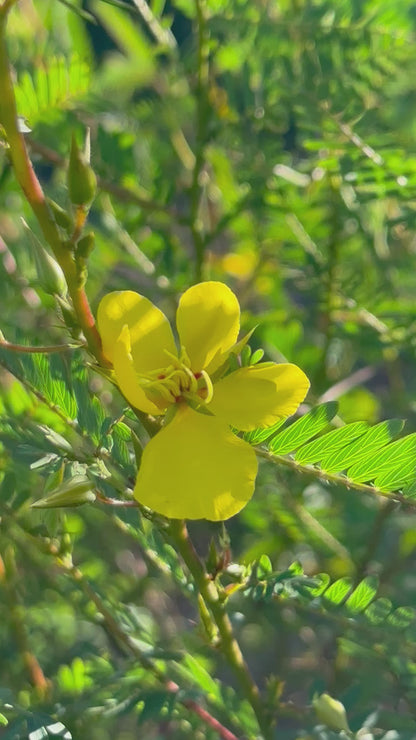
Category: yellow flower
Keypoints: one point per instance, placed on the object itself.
(195, 467)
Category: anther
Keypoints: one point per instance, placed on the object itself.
(208, 385)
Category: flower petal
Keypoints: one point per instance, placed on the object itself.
(208, 321)
(259, 395)
(150, 332)
(127, 378)
(195, 468)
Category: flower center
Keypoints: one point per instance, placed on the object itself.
(176, 383)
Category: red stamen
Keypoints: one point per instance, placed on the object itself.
(197, 376)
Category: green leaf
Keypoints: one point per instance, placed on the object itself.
(409, 491)
(55, 85)
(398, 476)
(338, 591)
(376, 437)
(322, 582)
(314, 451)
(256, 436)
(202, 677)
(363, 595)
(381, 461)
(256, 356)
(91, 414)
(378, 611)
(402, 617)
(302, 429)
(264, 567)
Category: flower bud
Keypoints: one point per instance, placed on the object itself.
(69, 317)
(50, 275)
(61, 217)
(85, 245)
(330, 712)
(82, 182)
(75, 492)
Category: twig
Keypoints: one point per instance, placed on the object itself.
(201, 115)
(373, 539)
(346, 384)
(163, 36)
(116, 502)
(48, 349)
(8, 577)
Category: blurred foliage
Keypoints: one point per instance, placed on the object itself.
(271, 146)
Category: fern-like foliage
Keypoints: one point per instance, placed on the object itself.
(340, 600)
(54, 86)
(356, 455)
(368, 626)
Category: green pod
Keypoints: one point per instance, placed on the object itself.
(82, 182)
(50, 275)
(330, 712)
(75, 492)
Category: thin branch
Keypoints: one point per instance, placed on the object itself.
(346, 384)
(340, 480)
(9, 578)
(116, 502)
(352, 136)
(201, 122)
(163, 36)
(373, 539)
(48, 349)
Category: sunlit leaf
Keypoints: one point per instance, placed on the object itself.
(304, 428)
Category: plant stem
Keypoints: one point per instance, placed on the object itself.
(228, 643)
(26, 349)
(34, 194)
(201, 116)
(374, 538)
(9, 578)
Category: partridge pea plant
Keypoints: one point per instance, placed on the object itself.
(173, 174)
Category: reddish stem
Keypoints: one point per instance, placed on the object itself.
(32, 189)
(48, 349)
